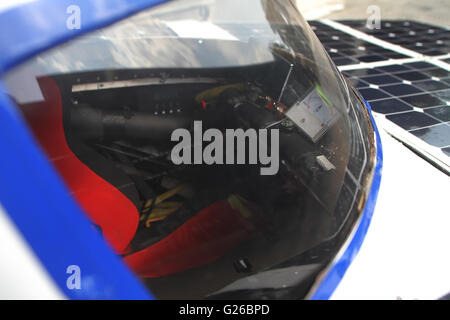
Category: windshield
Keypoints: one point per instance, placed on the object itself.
(219, 153)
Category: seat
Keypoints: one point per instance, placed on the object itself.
(107, 195)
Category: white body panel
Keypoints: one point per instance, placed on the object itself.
(406, 251)
(22, 276)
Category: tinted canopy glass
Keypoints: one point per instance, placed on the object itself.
(215, 147)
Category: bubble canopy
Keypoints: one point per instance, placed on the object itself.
(215, 147)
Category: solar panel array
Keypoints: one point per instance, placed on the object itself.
(345, 49)
(419, 37)
(409, 92)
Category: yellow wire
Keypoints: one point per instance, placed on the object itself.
(214, 92)
(162, 209)
(164, 196)
(149, 221)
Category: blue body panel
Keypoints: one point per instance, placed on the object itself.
(50, 220)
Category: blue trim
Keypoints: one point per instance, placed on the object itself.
(337, 271)
(52, 223)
